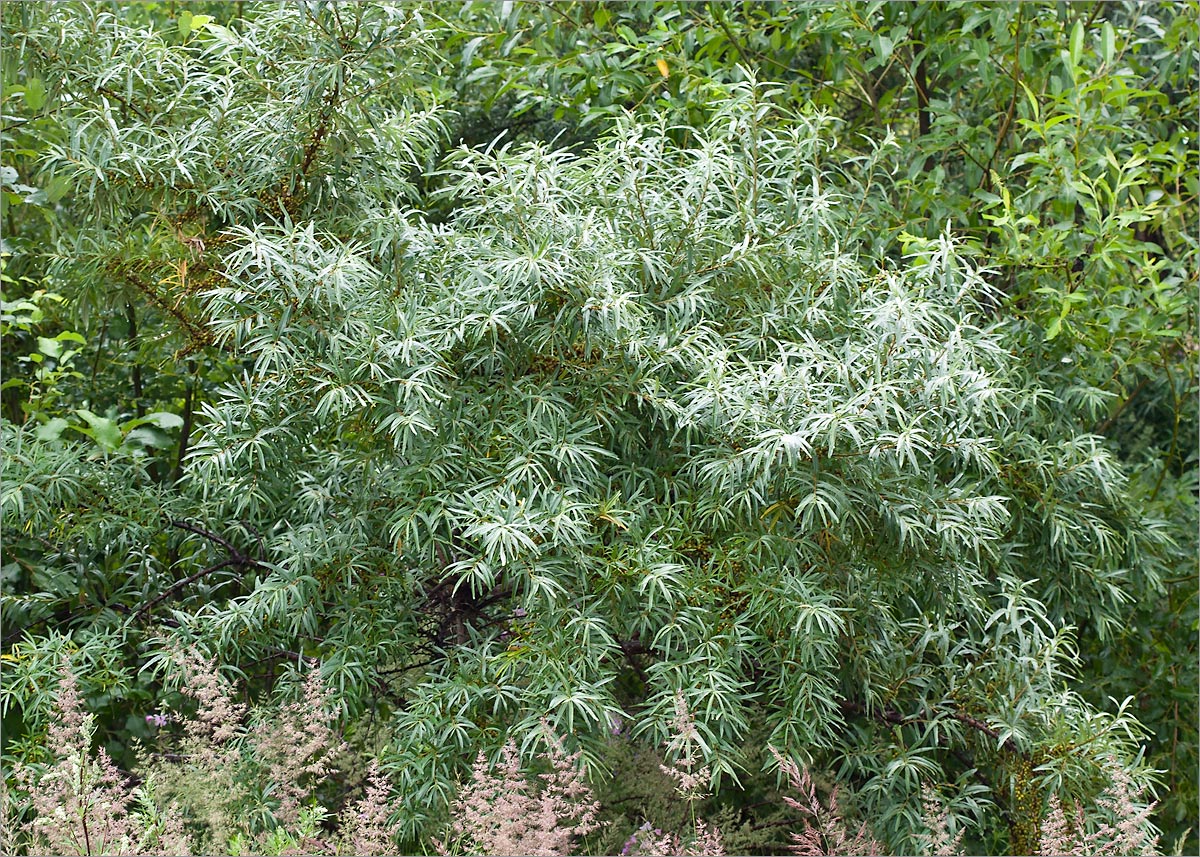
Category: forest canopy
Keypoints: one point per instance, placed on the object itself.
(800, 394)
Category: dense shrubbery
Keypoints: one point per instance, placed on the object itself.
(554, 383)
(216, 786)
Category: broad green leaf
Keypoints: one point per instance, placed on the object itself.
(101, 429)
(883, 48)
(49, 347)
(52, 430)
(147, 436)
(162, 419)
(35, 93)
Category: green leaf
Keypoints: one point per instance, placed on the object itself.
(469, 50)
(1108, 39)
(221, 33)
(57, 188)
(100, 429)
(185, 24)
(601, 17)
(35, 93)
(49, 347)
(1076, 50)
(974, 20)
(162, 419)
(883, 48)
(51, 430)
(147, 436)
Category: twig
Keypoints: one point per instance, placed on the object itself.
(235, 558)
(1107, 424)
(184, 525)
(985, 180)
(175, 587)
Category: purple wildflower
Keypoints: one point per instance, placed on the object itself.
(632, 842)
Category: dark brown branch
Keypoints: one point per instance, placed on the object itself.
(985, 180)
(139, 406)
(196, 332)
(235, 558)
(186, 431)
(631, 649)
(893, 717)
(1112, 418)
(276, 654)
(212, 537)
(175, 587)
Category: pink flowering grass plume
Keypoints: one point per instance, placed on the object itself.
(647, 842)
(218, 717)
(938, 842)
(690, 776)
(825, 832)
(365, 829)
(203, 776)
(85, 805)
(506, 812)
(1123, 827)
(297, 746)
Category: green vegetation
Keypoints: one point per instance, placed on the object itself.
(828, 370)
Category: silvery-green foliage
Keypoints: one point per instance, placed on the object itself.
(582, 430)
(639, 412)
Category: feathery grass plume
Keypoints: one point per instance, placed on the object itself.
(1123, 825)
(825, 831)
(938, 842)
(81, 804)
(1058, 834)
(203, 775)
(708, 841)
(504, 812)
(364, 827)
(646, 842)
(8, 834)
(297, 746)
(690, 776)
(218, 717)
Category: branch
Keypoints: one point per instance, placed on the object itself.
(235, 558)
(175, 587)
(212, 537)
(186, 431)
(1112, 418)
(985, 180)
(890, 715)
(274, 654)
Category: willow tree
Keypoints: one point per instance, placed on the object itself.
(515, 431)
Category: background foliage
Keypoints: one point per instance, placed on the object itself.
(831, 364)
